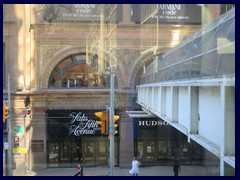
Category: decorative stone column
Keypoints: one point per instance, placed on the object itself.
(126, 142)
(37, 132)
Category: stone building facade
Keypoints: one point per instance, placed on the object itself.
(40, 48)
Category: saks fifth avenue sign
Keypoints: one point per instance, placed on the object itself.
(80, 124)
(152, 123)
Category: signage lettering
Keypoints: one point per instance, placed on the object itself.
(152, 123)
(84, 126)
(82, 11)
(189, 13)
(16, 139)
(19, 150)
(84, 8)
(170, 9)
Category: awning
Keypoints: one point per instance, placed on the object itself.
(140, 114)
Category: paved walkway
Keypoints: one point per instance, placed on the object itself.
(144, 171)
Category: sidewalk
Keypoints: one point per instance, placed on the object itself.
(144, 171)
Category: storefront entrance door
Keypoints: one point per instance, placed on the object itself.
(64, 154)
(89, 153)
(67, 153)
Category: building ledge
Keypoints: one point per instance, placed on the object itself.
(213, 148)
(140, 114)
(229, 160)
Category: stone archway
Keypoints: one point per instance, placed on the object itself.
(137, 67)
(56, 58)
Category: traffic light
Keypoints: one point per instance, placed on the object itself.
(103, 117)
(5, 112)
(115, 118)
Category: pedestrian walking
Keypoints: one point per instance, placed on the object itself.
(135, 164)
(176, 166)
(79, 170)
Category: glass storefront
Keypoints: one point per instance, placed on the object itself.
(158, 144)
(162, 151)
(67, 153)
(72, 137)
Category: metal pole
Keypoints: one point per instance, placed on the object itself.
(111, 128)
(9, 128)
(107, 118)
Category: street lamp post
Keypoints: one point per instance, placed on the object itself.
(9, 128)
(26, 104)
(111, 128)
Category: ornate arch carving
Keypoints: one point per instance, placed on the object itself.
(136, 68)
(56, 58)
(139, 63)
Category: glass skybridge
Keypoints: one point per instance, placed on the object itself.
(207, 54)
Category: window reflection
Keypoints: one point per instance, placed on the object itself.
(73, 72)
(82, 76)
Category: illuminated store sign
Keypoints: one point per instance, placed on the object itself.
(64, 124)
(152, 123)
(81, 10)
(80, 124)
(179, 13)
(70, 12)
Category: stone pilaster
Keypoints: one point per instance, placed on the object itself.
(126, 151)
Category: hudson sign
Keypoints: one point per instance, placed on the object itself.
(152, 123)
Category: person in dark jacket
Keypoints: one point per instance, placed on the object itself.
(176, 166)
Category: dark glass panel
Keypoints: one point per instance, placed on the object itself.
(186, 69)
(178, 71)
(220, 35)
(205, 40)
(231, 33)
(170, 74)
(209, 64)
(226, 65)
(193, 48)
(196, 67)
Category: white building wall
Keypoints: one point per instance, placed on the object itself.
(150, 97)
(209, 120)
(209, 113)
(145, 96)
(156, 99)
(183, 107)
(168, 102)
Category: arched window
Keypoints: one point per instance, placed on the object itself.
(75, 72)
